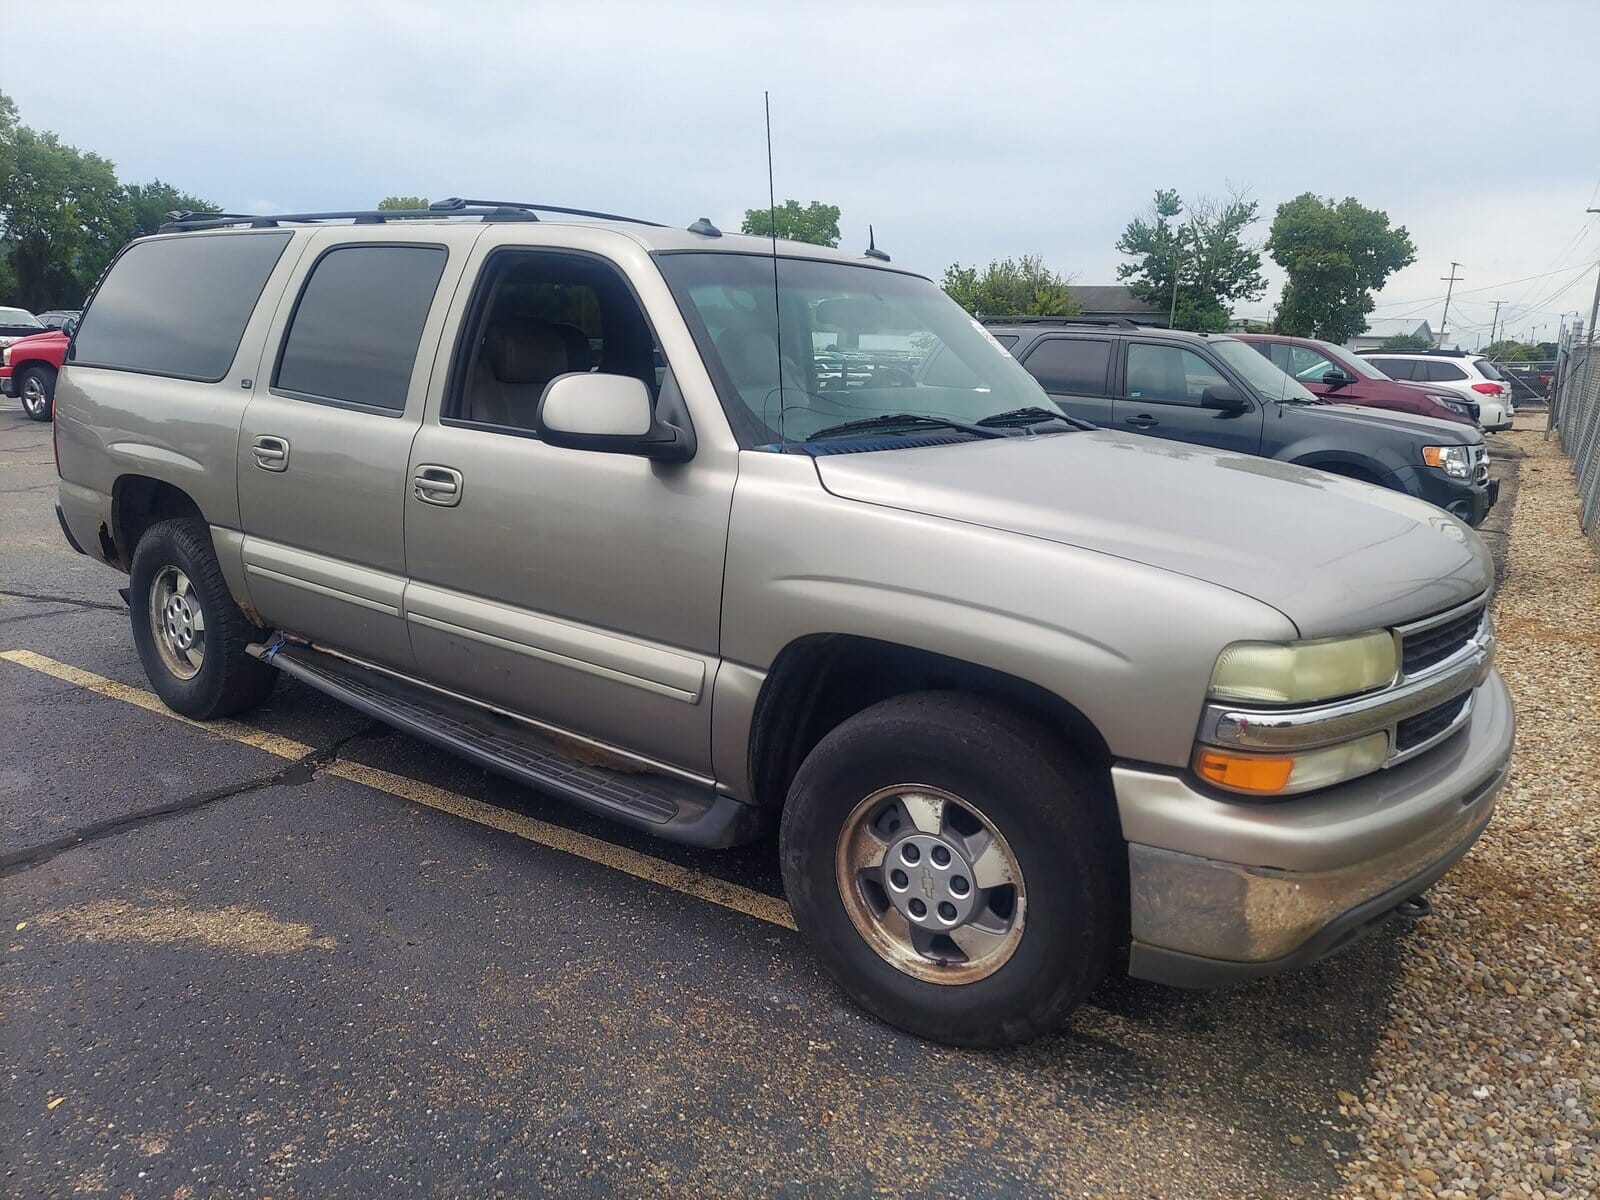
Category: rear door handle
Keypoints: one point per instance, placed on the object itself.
(1142, 421)
(270, 453)
(437, 485)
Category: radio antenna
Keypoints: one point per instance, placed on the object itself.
(772, 218)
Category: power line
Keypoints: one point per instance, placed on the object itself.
(1493, 287)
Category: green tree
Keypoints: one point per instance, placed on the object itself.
(392, 203)
(817, 223)
(1203, 260)
(1336, 256)
(150, 205)
(1509, 351)
(1010, 287)
(63, 215)
(1406, 341)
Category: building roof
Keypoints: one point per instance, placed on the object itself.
(1387, 327)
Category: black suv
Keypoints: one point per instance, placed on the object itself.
(1214, 390)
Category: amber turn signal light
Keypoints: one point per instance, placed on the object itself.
(1244, 773)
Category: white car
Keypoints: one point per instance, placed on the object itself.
(1470, 376)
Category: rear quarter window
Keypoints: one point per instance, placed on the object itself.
(178, 306)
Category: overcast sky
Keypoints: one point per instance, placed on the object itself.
(961, 131)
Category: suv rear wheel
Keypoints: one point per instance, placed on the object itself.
(951, 866)
(190, 634)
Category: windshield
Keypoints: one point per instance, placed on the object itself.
(1259, 373)
(19, 318)
(857, 342)
(1353, 363)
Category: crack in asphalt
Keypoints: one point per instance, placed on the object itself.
(302, 770)
(45, 599)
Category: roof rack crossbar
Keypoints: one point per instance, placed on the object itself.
(453, 207)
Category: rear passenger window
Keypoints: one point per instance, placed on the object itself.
(1442, 372)
(1396, 368)
(178, 306)
(1075, 365)
(353, 337)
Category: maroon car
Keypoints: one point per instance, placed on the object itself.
(1343, 377)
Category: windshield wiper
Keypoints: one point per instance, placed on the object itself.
(1032, 415)
(890, 422)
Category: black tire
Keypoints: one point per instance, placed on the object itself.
(228, 680)
(1056, 817)
(36, 388)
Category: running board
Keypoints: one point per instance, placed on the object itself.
(679, 810)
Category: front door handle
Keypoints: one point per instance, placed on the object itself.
(437, 485)
(270, 453)
(1142, 421)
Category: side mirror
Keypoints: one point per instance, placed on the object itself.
(1224, 399)
(608, 413)
(1336, 378)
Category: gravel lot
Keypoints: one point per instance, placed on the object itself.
(1487, 1081)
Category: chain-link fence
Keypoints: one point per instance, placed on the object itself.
(1576, 417)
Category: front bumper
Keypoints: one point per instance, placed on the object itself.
(7, 383)
(1467, 500)
(1223, 890)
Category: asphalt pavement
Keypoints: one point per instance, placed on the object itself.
(304, 955)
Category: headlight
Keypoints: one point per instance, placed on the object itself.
(1303, 672)
(1454, 405)
(5, 357)
(1456, 460)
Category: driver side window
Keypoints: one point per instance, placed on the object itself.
(1169, 375)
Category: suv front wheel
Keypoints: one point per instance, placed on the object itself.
(951, 866)
(191, 636)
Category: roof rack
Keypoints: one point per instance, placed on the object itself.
(486, 210)
(1096, 322)
(1434, 352)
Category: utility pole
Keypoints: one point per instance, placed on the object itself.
(1444, 321)
(1594, 309)
(1494, 320)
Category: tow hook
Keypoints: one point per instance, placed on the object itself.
(1413, 908)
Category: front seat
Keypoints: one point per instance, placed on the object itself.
(518, 359)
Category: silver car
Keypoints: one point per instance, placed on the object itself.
(714, 537)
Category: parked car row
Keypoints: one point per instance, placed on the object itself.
(1227, 392)
(31, 352)
(713, 537)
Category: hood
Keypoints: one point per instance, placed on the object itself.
(1333, 555)
(1426, 430)
(35, 339)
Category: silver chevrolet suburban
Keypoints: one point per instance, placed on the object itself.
(711, 534)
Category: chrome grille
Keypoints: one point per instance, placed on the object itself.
(1426, 648)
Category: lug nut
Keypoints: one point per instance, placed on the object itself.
(910, 853)
(897, 878)
(919, 909)
(959, 885)
(941, 856)
(947, 910)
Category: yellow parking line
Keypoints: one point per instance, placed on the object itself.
(555, 837)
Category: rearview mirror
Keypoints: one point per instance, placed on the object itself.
(609, 413)
(1335, 378)
(1223, 399)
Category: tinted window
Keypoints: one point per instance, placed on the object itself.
(178, 306)
(1486, 369)
(1308, 366)
(1169, 374)
(1071, 365)
(1441, 372)
(354, 333)
(1396, 368)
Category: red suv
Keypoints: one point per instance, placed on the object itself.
(1340, 376)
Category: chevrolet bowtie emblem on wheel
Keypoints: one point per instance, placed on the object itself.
(927, 883)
